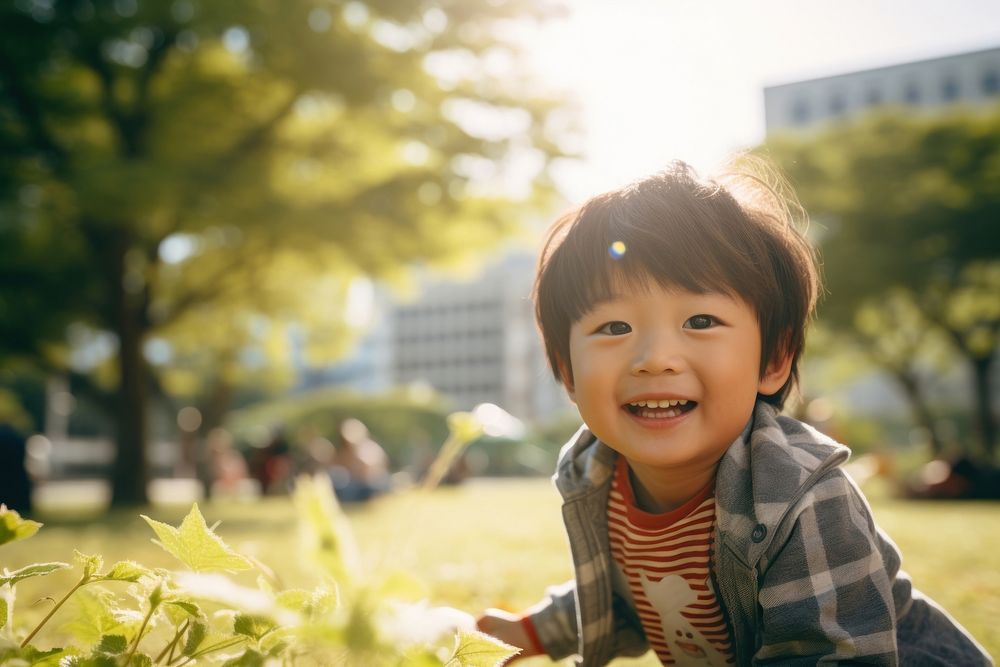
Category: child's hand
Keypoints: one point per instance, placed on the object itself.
(509, 628)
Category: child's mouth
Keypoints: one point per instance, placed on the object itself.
(660, 409)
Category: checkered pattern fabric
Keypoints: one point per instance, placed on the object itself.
(802, 571)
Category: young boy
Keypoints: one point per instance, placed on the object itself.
(702, 523)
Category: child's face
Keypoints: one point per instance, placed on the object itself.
(699, 352)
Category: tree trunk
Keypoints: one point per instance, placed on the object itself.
(130, 474)
(921, 413)
(986, 422)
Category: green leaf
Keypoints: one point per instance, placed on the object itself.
(252, 625)
(464, 427)
(3, 613)
(90, 564)
(126, 570)
(475, 649)
(141, 660)
(93, 616)
(318, 602)
(195, 636)
(325, 528)
(92, 661)
(14, 528)
(112, 645)
(33, 570)
(156, 596)
(180, 609)
(195, 545)
(190, 607)
(29, 655)
(250, 658)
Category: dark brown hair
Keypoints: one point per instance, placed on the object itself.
(734, 235)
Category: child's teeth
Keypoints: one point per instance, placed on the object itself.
(666, 403)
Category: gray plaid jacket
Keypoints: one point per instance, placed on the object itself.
(801, 570)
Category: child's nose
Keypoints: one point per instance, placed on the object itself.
(658, 354)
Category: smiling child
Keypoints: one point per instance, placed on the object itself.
(703, 524)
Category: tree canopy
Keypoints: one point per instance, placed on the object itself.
(169, 164)
(905, 208)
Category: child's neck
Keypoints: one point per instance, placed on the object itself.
(657, 491)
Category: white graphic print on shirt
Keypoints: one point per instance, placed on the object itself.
(669, 596)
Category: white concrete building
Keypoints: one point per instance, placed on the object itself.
(475, 341)
(971, 79)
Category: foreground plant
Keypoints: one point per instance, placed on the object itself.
(131, 615)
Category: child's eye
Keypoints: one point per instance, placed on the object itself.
(700, 322)
(615, 328)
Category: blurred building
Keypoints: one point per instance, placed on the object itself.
(475, 341)
(967, 78)
(472, 340)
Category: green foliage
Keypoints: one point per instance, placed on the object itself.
(464, 428)
(203, 616)
(93, 616)
(28, 571)
(207, 176)
(199, 548)
(13, 527)
(904, 208)
(474, 649)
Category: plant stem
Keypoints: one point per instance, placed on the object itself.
(172, 644)
(9, 594)
(138, 635)
(217, 647)
(83, 581)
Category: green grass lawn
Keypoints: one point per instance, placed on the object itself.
(500, 543)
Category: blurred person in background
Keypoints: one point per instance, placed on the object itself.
(226, 467)
(360, 467)
(273, 466)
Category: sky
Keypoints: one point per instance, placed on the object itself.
(658, 80)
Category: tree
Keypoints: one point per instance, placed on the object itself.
(905, 208)
(157, 158)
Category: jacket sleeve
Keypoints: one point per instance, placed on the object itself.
(826, 595)
(554, 619)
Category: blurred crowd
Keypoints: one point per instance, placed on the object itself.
(357, 465)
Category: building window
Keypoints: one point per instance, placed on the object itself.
(912, 93)
(800, 112)
(991, 82)
(949, 89)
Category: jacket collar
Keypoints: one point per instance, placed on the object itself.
(786, 456)
(764, 473)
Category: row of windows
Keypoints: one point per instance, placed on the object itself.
(451, 362)
(417, 312)
(913, 93)
(465, 390)
(406, 337)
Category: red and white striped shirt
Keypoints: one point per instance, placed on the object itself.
(665, 558)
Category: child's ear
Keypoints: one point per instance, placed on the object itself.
(776, 373)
